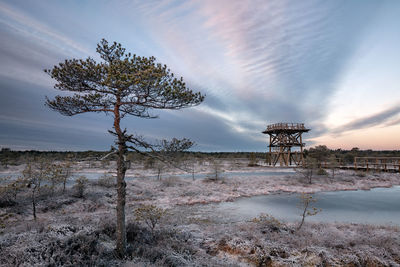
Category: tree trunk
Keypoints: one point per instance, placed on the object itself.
(121, 185)
(303, 216)
(53, 185)
(34, 203)
(193, 170)
(301, 224)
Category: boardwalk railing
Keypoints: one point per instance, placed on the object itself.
(386, 164)
(377, 163)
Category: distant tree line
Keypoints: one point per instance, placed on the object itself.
(321, 153)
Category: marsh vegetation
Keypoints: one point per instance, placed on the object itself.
(172, 221)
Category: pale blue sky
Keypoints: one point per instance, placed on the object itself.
(334, 65)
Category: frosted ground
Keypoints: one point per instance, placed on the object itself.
(72, 230)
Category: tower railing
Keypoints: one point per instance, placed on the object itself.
(286, 126)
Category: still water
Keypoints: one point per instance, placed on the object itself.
(94, 175)
(375, 206)
(227, 175)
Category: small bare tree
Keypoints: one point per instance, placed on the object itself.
(188, 164)
(308, 169)
(216, 170)
(191, 165)
(305, 205)
(160, 167)
(54, 175)
(253, 162)
(333, 164)
(66, 172)
(150, 215)
(32, 181)
(42, 168)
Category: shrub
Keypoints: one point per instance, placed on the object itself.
(322, 172)
(80, 186)
(168, 248)
(269, 221)
(149, 163)
(8, 191)
(150, 215)
(106, 180)
(252, 160)
(3, 219)
(170, 181)
(78, 249)
(360, 174)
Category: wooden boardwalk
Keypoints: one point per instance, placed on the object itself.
(380, 164)
(394, 168)
(375, 164)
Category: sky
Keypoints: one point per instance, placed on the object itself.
(333, 65)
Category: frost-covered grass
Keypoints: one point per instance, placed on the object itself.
(75, 231)
(320, 244)
(173, 190)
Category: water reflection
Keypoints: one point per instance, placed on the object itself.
(376, 206)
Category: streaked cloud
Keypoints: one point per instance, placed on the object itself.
(383, 118)
(258, 62)
(21, 22)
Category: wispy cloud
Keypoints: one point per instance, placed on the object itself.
(258, 61)
(25, 24)
(284, 59)
(28, 46)
(381, 118)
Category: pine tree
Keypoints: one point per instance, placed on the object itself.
(122, 84)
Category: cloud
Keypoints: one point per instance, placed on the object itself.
(379, 118)
(22, 62)
(21, 22)
(24, 120)
(284, 59)
(258, 62)
(28, 46)
(392, 123)
(211, 133)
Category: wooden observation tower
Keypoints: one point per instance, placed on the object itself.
(282, 138)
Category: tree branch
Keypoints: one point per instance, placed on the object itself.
(77, 104)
